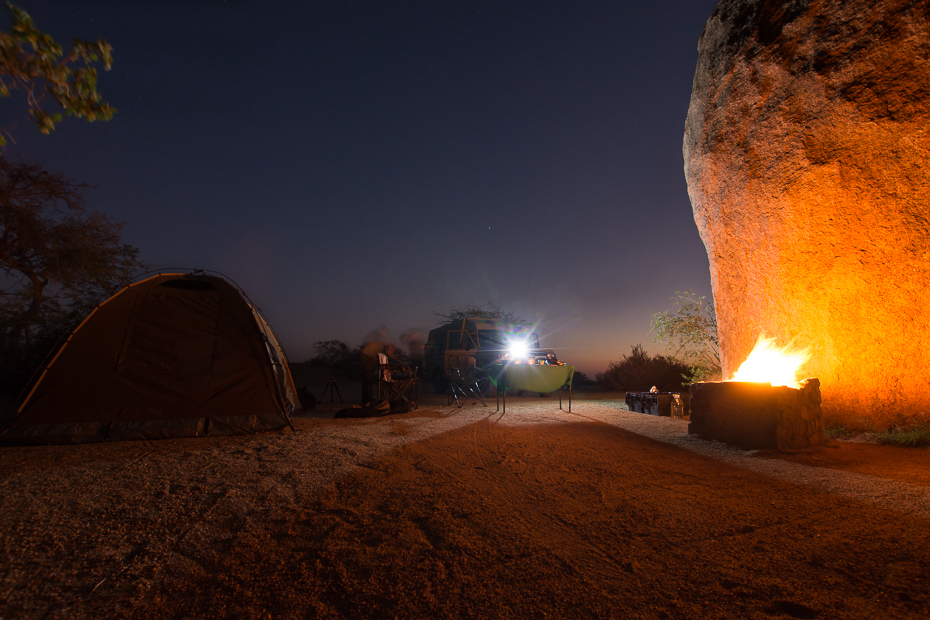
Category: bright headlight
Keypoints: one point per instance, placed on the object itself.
(518, 349)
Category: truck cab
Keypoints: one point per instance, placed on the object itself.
(487, 340)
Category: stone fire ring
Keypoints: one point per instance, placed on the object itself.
(757, 415)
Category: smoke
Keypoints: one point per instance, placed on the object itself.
(414, 339)
(379, 334)
(411, 340)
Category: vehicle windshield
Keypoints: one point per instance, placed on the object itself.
(459, 339)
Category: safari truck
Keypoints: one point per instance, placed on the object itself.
(487, 340)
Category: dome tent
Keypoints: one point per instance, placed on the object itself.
(174, 355)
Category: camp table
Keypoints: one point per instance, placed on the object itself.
(540, 378)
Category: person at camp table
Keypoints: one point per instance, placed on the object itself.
(368, 357)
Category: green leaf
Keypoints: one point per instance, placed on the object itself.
(34, 62)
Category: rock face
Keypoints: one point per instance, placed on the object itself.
(807, 156)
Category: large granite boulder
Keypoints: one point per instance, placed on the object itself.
(807, 156)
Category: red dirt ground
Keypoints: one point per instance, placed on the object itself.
(566, 518)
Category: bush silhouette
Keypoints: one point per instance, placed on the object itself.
(337, 357)
(639, 372)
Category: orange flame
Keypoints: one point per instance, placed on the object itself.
(769, 363)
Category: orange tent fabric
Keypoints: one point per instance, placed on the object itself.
(175, 355)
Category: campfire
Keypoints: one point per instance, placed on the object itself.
(769, 363)
(764, 405)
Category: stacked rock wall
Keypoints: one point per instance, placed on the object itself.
(807, 157)
(757, 415)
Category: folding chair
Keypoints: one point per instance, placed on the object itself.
(463, 380)
(397, 382)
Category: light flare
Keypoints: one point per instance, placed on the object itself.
(518, 349)
(769, 363)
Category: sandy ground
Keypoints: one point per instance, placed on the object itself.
(465, 513)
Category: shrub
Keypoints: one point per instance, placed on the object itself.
(840, 431)
(579, 379)
(690, 333)
(638, 372)
(916, 437)
(336, 356)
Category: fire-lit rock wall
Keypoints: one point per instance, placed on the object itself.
(807, 156)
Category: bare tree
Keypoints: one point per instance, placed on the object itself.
(486, 311)
(58, 261)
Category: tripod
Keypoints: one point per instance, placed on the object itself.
(332, 387)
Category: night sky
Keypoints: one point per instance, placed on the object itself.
(357, 163)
